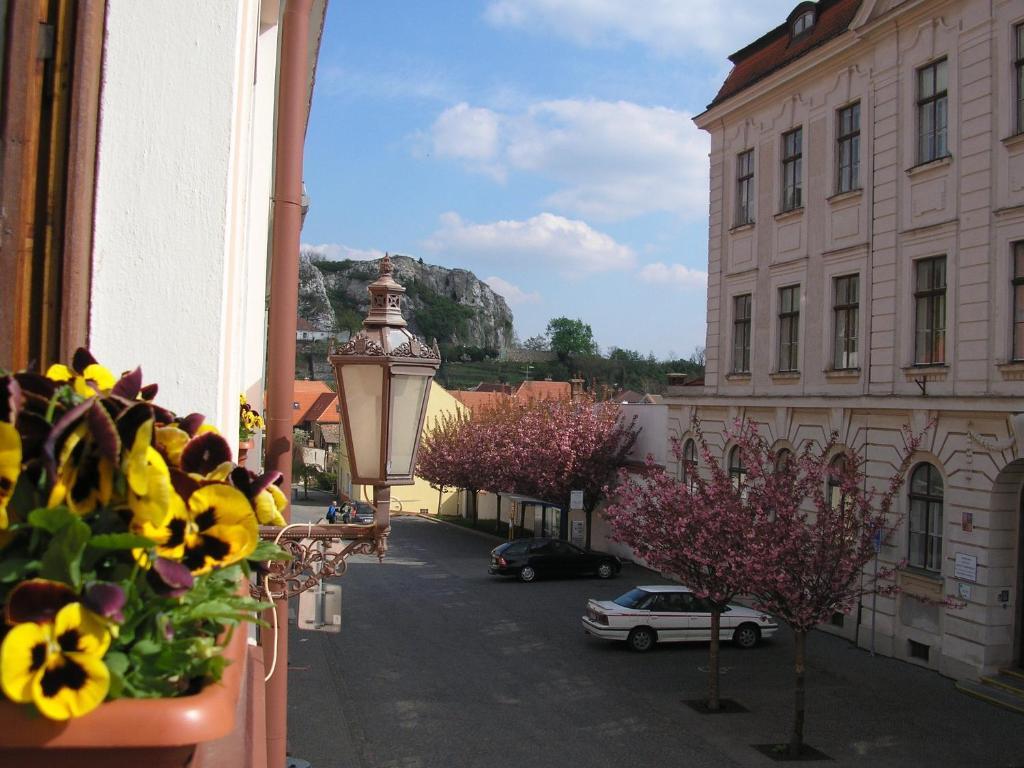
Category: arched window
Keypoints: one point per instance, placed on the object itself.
(737, 470)
(926, 518)
(803, 22)
(783, 459)
(689, 464)
(836, 470)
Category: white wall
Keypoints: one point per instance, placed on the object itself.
(179, 245)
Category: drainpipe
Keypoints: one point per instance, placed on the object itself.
(284, 281)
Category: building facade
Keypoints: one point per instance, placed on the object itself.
(866, 272)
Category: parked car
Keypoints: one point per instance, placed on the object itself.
(363, 513)
(648, 615)
(531, 558)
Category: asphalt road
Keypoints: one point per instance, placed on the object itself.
(439, 665)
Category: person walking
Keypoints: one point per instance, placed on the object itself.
(332, 513)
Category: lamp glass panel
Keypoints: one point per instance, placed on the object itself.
(408, 392)
(363, 387)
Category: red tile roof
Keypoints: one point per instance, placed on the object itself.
(544, 390)
(302, 324)
(324, 409)
(779, 48)
(305, 393)
(477, 401)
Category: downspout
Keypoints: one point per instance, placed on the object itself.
(286, 211)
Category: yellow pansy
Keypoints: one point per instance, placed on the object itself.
(85, 474)
(57, 666)
(172, 441)
(10, 467)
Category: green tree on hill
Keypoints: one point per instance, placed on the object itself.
(570, 337)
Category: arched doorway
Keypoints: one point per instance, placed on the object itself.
(1007, 503)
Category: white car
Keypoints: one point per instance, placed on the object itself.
(671, 614)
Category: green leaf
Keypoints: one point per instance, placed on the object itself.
(120, 541)
(268, 550)
(117, 664)
(63, 558)
(51, 519)
(17, 569)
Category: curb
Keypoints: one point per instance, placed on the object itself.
(434, 519)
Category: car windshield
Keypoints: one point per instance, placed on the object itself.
(635, 598)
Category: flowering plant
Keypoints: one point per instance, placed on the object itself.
(249, 419)
(124, 533)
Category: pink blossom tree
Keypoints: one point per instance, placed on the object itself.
(452, 455)
(700, 531)
(816, 524)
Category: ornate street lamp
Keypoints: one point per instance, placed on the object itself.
(384, 375)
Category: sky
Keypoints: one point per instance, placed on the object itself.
(545, 145)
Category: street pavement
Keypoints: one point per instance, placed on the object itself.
(439, 665)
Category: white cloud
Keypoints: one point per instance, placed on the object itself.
(610, 160)
(337, 252)
(513, 294)
(567, 245)
(674, 274)
(669, 27)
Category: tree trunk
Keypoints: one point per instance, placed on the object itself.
(589, 515)
(796, 740)
(473, 502)
(716, 624)
(440, 498)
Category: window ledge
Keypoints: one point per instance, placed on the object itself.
(850, 194)
(784, 377)
(937, 372)
(918, 582)
(1012, 370)
(792, 214)
(842, 374)
(736, 376)
(741, 228)
(939, 162)
(1016, 140)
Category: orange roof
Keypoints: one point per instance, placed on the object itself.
(544, 390)
(477, 401)
(304, 395)
(778, 47)
(324, 410)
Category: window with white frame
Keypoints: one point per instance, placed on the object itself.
(930, 311)
(1017, 284)
(789, 328)
(792, 160)
(845, 318)
(1018, 65)
(848, 148)
(741, 333)
(803, 23)
(926, 518)
(932, 112)
(745, 188)
(737, 469)
(689, 462)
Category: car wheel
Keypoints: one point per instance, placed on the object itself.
(641, 639)
(746, 636)
(605, 571)
(527, 574)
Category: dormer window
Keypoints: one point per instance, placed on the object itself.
(803, 22)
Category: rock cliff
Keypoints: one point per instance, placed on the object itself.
(451, 305)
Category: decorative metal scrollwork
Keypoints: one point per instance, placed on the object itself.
(318, 552)
(417, 349)
(361, 345)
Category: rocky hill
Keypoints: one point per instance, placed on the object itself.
(451, 305)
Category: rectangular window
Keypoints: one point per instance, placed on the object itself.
(789, 328)
(792, 154)
(741, 334)
(745, 188)
(848, 148)
(845, 309)
(1018, 64)
(930, 311)
(932, 112)
(1018, 301)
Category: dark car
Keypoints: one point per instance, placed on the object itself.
(363, 514)
(530, 558)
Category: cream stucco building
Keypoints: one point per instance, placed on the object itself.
(866, 271)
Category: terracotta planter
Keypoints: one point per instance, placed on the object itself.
(243, 450)
(151, 733)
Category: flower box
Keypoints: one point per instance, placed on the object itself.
(128, 733)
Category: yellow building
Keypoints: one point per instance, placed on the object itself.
(419, 496)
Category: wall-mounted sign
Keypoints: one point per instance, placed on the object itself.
(576, 533)
(967, 521)
(965, 567)
(575, 500)
(965, 591)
